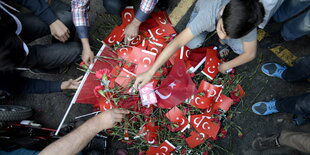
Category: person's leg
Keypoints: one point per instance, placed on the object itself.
(300, 71)
(52, 56)
(290, 8)
(34, 27)
(296, 27)
(114, 7)
(296, 140)
(299, 105)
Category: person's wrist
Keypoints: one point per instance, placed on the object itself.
(62, 86)
(136, 22)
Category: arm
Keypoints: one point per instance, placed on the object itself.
(80, 17)
(182, 39)
(41, 9)
(146, 7)
(248, 55)
(75, 141)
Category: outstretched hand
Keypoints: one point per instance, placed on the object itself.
(131, 31)
(71, 84)
(142, 79)
(108, 119)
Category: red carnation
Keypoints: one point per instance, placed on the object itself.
(103, 72)
(205, 153)
(98, 90)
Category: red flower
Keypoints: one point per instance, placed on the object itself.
(215, 120)
(83, 65)
(217, 112)
(141, 153)
(103, 72)
(98, 91)
(224, 132)
(210, 146)
(240, 134)
(205, 153)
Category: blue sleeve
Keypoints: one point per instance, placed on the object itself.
(41, 9)
(82, 31)
(141, 16)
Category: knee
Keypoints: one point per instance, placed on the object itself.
(114, 7)
(66, 18)
(74, 49)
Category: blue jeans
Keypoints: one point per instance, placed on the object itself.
(50, 56)
(114, 7)
(297, 26)
(300, 71)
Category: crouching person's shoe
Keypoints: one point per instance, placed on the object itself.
(267, 142)
(273, 69)
(265, 108)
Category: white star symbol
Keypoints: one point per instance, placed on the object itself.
(172, 85)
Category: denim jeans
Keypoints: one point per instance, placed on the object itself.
(298, 23)
(53, 55)
(114, 7)
(300, 71)
(298, 105)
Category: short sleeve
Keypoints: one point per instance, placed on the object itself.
(250, 36)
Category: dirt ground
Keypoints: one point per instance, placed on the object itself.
(50, 108)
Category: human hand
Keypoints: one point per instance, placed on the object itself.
(108, 119)
(59, 31)
(223, 68)
(88, 56)
(131, 31)
(71, 84)
(142, 79)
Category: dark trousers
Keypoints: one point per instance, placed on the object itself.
(53, 55)
(115, 7)
(300, 71)
(299, 105)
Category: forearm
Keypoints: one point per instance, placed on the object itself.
(75, 141)
(182, 39)
(241, 59)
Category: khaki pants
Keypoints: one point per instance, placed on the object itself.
(296, 140)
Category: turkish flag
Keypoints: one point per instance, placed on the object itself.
(181, 54)
(124, 53)
(211, 66)
(149, 131)
(128, 15)
(195, 139)
(223, 103)
(154, 48)
(210, 91)
(137, 41)
(201, 101)
(125, 78)
(165, 148)
(175, 115)
(85, 94)
(203, 124)
(164, 22)
(177, 87)
(143, 58)
(116, 36)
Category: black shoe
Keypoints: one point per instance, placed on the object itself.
(268, 142)
(162, 5)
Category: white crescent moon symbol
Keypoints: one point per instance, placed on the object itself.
(156, 50)
(180, 74)
(121, 50)
(210, 70)
(209, 110)
(162, 96)
(195, 121)
(151, 142)
(213, 93)
(187, 53)
(183, 121)
(128, 13)
(165, 148)
(203, 126)
(162, 21)
(202, 135)
(111, 41)
(156, 31)
(196, 100)
(148, 59)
